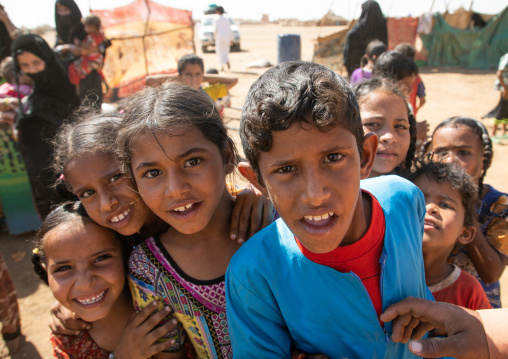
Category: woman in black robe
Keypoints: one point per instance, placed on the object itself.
(70, 31)
(51, 102)
(371, 26)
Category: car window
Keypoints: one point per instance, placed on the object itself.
(208, 21)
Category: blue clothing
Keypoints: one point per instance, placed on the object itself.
(278, 300)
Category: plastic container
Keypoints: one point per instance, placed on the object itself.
(289, 47)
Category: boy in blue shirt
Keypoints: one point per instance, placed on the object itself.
(317, 279)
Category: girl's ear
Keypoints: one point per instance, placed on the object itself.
(370, 143)
(246, 171)
(229, 157)
(467, 235)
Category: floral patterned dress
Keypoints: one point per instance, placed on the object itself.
(80, 346)
(199, 306)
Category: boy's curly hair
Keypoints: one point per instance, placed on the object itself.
(457, 177)
(296, 92)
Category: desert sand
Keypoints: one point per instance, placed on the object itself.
(450, 92)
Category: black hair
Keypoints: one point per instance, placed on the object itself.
(405, 48)
(394, 66)
(92, 20)
(219, 9)
(91, 133)
(378, 84)
(212, 71)
(459, 180)
(169, 107)
(189, 59)
(65, 213)
(296, 92)
(374, 49)
(477, 128)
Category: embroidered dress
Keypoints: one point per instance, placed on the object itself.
(493, 219)
(200, 306)
(80, 346)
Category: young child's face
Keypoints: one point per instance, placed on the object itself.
(444, 219)
(192, 76)
(313, 180)
(85, 268)
(459, 144)
(90, 29)
(181, 178)
(406, 84)
(106, 193)
(24, 79)
(29, 63)
(386, 115)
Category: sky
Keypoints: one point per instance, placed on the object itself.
(33, 13)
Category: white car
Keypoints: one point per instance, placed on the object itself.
(206, 33)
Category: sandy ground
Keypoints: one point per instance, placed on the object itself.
(450, 92)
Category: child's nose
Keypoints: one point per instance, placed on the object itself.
(315, 193)
(176, 186)
(84, 280)
(386, 136)
(108, 202)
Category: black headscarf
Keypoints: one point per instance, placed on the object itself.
(53, 96)
(69, 27)
(371, 26)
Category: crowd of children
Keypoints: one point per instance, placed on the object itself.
(147, 252)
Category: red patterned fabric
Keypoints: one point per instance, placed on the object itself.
(80, 346)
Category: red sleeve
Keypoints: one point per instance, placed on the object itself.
(60, 345)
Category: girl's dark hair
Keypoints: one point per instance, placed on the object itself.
(92, 20)
(457, 177)
(170, 107)
(480, 130)
(65, 213)
(91, 133)
(394, 66)
(374, 49)
(378, 84)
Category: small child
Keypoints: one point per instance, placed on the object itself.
(384, 111)
(83, 264)
(466, 141)
(92, 54)
(10, 91)
(500, 112)
(191, 72)
(451, 199)
(318, 278)
(418, 88)
(364, 72)
(401, 70)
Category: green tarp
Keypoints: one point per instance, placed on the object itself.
(472, 49)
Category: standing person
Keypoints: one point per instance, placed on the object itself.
(364, 72)
(371, 26)
(7, 31)
(318, 277)
(223, 37)
(500, 112)
(9, 310)
(71, 32)
(51, 102)
(466, 141)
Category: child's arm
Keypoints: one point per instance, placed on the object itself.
(420, 95)
(487, 260)
(156, 80)
(229, 81)
(257, 328)
(140, 335)
(500, 76)
(252, 212)
(63, 321)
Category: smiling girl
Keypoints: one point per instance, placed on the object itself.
(176, 145)
(83, 264)
(385, 112)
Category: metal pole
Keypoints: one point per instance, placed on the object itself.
(147, 3)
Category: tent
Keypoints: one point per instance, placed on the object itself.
(147, 38)
(470, 48)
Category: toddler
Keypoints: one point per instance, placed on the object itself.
(450, 198)
(364, 72)
(417, 88)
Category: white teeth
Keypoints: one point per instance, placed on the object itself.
(319, 218)
(183, 208)
(92, 300)
(120, 216)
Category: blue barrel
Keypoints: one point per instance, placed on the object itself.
(289, 46)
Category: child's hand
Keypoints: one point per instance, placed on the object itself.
(139, 338)
(422, 127)
(252, 212)
(63, 321)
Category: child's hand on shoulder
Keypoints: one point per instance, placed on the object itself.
(252, 212)
(63, 321)
(139, 338)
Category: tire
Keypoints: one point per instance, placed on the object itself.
(235, 48)
(204, 49)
